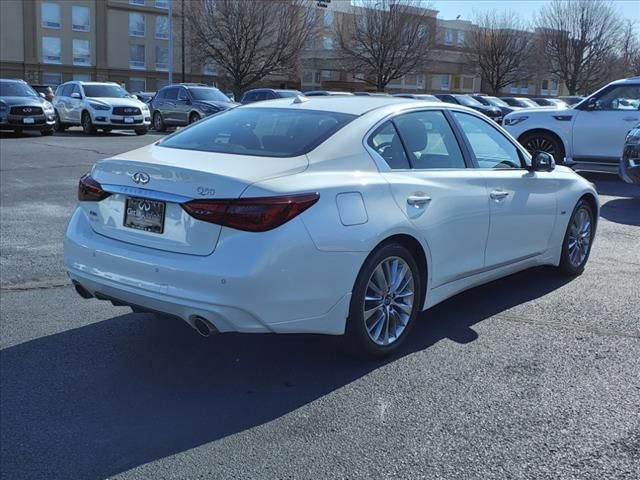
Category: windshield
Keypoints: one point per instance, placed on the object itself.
(528, 103)
(266, 132)
(496, 102)
(205, 93)
(16, 89)
(288, 93)
(108, 91)
(468, 101)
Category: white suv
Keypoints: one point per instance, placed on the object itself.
(589, 136)
(99, 105)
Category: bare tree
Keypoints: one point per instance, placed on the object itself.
(250, 40)
(385, 39)
(501, 48)
(579, 36)
(629, 55)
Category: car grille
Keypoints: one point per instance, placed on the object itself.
(126, 111)
(26, 111)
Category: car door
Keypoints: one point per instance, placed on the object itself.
(169, 105)
(61, 100)
(74, 103)
(183, 106)
(444, 199)
(522, 202)
(600, 125)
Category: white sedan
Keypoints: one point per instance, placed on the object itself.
(327, 215)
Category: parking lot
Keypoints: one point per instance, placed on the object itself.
(534, 376)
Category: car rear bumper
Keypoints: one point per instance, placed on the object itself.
(275, 281)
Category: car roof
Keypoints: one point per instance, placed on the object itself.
(12, 80)
(350, 104)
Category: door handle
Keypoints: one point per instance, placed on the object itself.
(418, 200)
(499, 194)
(630, 119)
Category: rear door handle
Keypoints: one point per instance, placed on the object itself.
(418, 200)
(499, 194)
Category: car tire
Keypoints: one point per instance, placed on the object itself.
(541, 141)
(59, 127)
(106, 130)
(87, 124)
(47, 132)
(17, 131)
(378, 322)
(158, 123)
(193, 118)
(141, 131)
(578, 239)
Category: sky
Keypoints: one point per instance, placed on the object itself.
(450, 9)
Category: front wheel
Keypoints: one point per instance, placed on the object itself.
(60, 127)
(385, 301)
(87, 124)
(193, 118)
(141, 131)
(578, 238)
(47, 132)
(541, 141)
(158, 122)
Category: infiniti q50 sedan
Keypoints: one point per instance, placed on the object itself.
(342, 216)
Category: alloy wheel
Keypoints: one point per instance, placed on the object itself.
(388, 301)
(579, 236)
(537, 144)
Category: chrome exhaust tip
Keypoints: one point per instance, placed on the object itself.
(83, 292)
(204, 327)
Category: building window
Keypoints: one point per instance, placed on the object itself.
(553, 84)
(467, 84)
(80, 19)
(82, 77)
(327, 43)
(81, 52)
(162, 27)
(137, 84)
(316, 77)
(136, 2)
(162, 59)
(422, 31)
(51, 50)
(209, 69)
(136, 57)
(444, 82)
(328, 19)
(164, 4)
(53, 79)
(545, 87)
(307, 76)
(136, 25)
(448, 37)
(524, 86)
(420, 81)
(325, 74)
(359, 77)
(50, 15)
(461, 38)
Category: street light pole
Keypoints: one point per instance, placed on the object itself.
(170, 42)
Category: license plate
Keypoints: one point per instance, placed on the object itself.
(144, 214)
(28, 120)
(128, 119)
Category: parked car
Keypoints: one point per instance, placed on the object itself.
(494, 113)
(521, 102)
(630, 160)
(324, 93)
(588, 136)
(21, 108)
(260, 94)
(179, 105)
(487, 100)
(418, 96)
(45, 91)
(571, 100)
(335, 216)
(99, 105)
(371, 94)
(145, 97)
(550, 102)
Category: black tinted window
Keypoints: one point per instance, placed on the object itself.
(160, 94)
(66, 90)
(270, 132)
(171, 93)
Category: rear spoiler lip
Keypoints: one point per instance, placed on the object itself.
(145, 193)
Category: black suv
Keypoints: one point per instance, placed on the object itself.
(494, 113)
(178, 105)
(260, 94)
(21, 108)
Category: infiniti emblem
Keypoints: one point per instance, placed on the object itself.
(141, 178)
(27, 110)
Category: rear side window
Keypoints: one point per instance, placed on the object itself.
(268, 132)
(386, 142)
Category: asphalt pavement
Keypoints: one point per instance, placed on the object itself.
(534, 376)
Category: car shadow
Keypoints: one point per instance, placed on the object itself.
(101, 399)
(624, 210)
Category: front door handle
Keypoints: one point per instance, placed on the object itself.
(418, 200)
(499, 194)
(630, 119)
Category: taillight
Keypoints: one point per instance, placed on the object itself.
(251, 214)
(89, 190)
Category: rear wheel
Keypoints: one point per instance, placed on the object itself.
(158, 122)
(46, 132)
(193, 118)
(545, 142)
(87, 124)
(576, 246)
(60, 127)
(385, 301)
(141, 131)
(106, 130)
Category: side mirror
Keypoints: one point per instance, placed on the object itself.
(76, 95)
(43, 95)
(592, 105)
(542, 162)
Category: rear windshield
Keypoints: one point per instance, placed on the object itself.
(267, 132)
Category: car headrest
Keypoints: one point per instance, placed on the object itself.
(414, 134)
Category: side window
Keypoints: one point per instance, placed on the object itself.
(171, 94)
(248, 97)
(259, 96)
(160, 94)
(76, 89)
(182, 94)
(386, 142)
(429, 140)
(66, 90)
(622, 97)
(490, 148)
